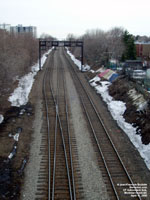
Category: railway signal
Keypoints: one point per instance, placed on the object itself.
(47, 44)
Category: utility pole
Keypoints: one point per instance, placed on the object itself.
(82, 62)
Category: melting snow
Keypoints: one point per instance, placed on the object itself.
(117, 109)
(20, 95)
(12, 154)
(1, 118)
(92, 71)
(16, 137)
(78, 62)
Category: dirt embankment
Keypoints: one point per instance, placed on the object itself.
(140, 119)
(15, 137)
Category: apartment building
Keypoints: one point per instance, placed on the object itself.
(23, 29)
(19, 29)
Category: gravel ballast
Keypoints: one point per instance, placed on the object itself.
(93, 185)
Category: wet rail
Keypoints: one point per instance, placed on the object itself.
(110, 162)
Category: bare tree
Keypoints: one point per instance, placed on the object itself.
(115, 43)
(17, 54)
(100, 46)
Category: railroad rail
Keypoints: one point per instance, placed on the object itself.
(56, 177)
(113, 165)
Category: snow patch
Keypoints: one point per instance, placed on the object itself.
(16, 137)
(20, 95)
(12, 154)
(78, 62)
(117, 109)
(92, 71)
(1, 118)
(95, 79)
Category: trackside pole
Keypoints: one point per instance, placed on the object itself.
(39, 56)
(82, 58)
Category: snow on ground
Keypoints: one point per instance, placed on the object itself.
(1, 118)
(117, 109)
(15, 137)
(78, 62)
(92, 71)
(20, 95)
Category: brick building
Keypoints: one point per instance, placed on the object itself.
(143, 50)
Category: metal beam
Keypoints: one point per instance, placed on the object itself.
(45, 44)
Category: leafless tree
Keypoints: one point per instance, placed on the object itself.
(114, 41)
(18, 52)
(100, 46)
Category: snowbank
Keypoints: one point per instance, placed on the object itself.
(117, 109)
(78, 62)
(20, 95)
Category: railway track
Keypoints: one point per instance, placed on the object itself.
(56, 176)
(116, 175)
(59, 176)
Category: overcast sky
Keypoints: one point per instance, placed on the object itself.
(60, 17)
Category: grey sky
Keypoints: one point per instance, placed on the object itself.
(60, 17)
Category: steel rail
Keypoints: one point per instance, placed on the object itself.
(69, 139)
(99, 148)
(62, 135)
(54, 168)
(92, 103)
(55, 142)
(48, 133)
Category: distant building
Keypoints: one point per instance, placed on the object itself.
(143, 49)
(5, 27)
(23, 29)
(19, 29)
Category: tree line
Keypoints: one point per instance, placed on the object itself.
(100, 46)
(18, 52)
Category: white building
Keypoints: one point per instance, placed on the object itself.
(19, 29)
(23, 29)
